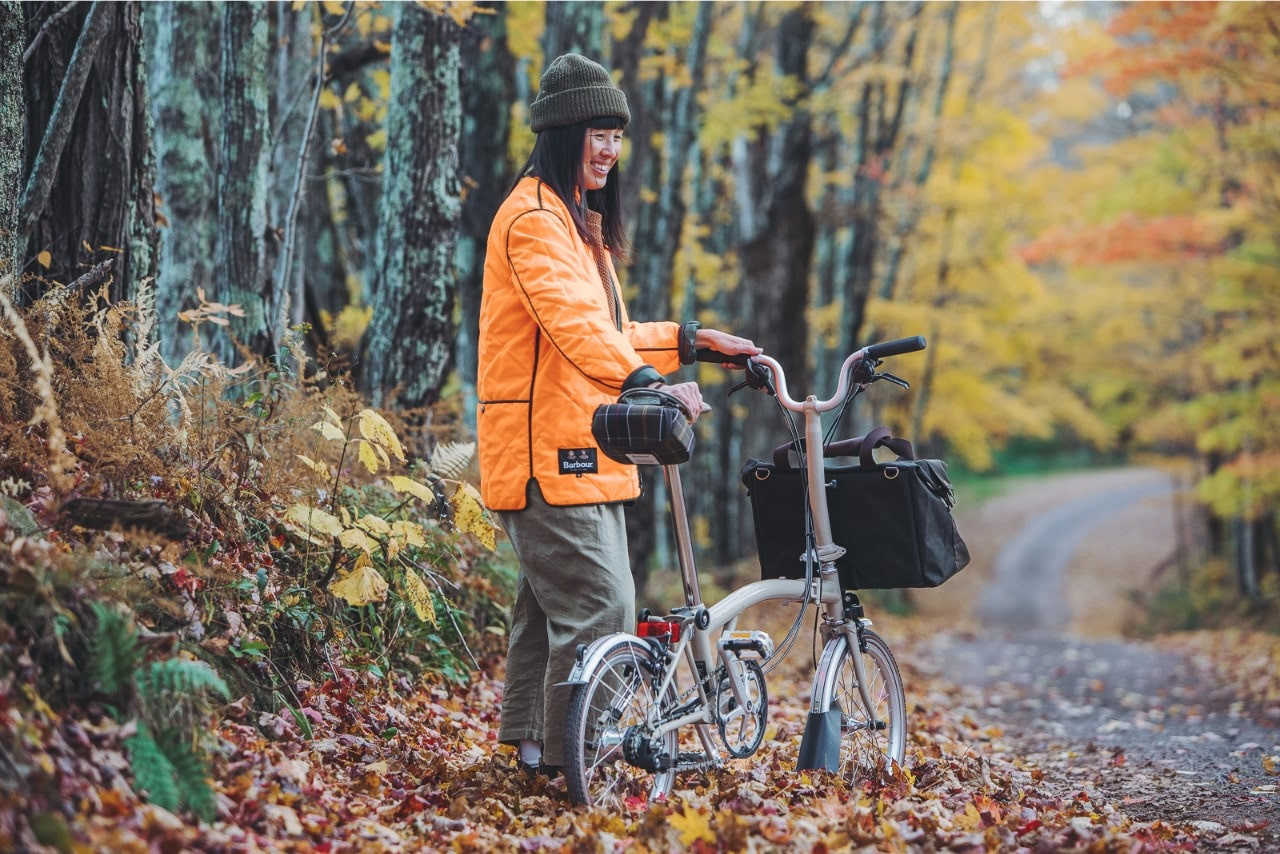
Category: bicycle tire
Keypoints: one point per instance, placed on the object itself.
(614, 697)
(863, 749)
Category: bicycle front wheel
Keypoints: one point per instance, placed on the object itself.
(608, 724)
(871, 738)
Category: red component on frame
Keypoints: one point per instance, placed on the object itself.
(658, 629)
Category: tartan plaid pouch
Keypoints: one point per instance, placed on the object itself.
(645, 427)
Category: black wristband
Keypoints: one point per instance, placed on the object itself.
(688, 339)
(642, 377)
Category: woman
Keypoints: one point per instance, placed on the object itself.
(555, 342)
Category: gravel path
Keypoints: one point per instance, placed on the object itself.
(1111, 720)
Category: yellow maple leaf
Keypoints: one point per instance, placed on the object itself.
(369, 457)
(409, 486)
(329, 431)
(354, 538)
(362, 585)
(374, 524)
(693, 826)
(419, 595)
(408, 533)
(468, 516)
(376, 429)
(314, 519)
(319, 468)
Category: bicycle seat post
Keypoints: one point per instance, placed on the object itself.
(684, 541)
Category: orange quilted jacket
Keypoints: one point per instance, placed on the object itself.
(550, 352)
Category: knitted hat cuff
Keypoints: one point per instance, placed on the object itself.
(578, 105)
(573, 90)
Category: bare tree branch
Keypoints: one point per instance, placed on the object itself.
(284, 271)
(46, 161)
(53, 19)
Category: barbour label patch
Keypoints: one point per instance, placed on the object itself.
(578, 461)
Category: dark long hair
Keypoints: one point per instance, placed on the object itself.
(556, 160)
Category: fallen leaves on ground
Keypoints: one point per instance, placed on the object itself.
(394, 766)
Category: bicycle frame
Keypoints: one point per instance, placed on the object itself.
(823, 589)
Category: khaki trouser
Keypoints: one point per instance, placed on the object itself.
(575, 586)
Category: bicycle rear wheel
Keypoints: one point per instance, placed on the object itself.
(607, 718)
(872, 738)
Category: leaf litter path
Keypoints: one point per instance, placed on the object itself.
(1015, 743)
(1141, 726)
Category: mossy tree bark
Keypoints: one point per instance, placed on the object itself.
(182, 45)
(488, 88)
(574, 28)
(13, 37)
(410, 341)
(241, 276)
(88, 193)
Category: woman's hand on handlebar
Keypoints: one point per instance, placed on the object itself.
(690, 397)
(723, 342)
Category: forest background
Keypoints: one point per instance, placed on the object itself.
(232, 229)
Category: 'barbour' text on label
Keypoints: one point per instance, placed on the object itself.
(578, 461)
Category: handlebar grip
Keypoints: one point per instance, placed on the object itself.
(895, 348)
(706, 354)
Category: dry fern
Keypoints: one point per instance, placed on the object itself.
(450, 459)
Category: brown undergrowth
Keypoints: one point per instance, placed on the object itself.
(262, 523)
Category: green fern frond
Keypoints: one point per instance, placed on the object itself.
(192, 777)
(116, 653)
(153, 772)
(450, 459)
(179, 678)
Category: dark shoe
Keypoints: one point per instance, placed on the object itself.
(548, 771)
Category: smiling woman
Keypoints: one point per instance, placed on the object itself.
(555, 342)
(600, 150)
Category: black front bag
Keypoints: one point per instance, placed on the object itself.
(894, 519)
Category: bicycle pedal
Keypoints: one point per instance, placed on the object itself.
(748, 643)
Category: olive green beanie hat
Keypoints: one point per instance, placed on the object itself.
(575, 89)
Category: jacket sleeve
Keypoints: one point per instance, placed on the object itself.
(657, 343)
(569, 308)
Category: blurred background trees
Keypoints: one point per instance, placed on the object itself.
(1076, 204)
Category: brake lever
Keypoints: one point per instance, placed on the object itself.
(898, 381)
(757, 377)
(864, 371)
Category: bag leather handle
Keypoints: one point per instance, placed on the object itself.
(653, 397)
(860, 447)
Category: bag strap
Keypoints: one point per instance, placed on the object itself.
(652, 397)
(878, 437)
(860, 447)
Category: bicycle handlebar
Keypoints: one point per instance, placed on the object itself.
(896, 347)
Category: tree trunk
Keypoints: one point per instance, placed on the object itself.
(574, 27)
(644, 97)
(879, 119)
(409, 347)
(89, 190)
(658, 238)
(777, 252)
(488, 89)
(242, 181)
(297, 72)
(182, 43)
(13, 37)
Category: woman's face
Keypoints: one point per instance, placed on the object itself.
(600, 149)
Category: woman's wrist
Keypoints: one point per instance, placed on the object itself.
(689, 342)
